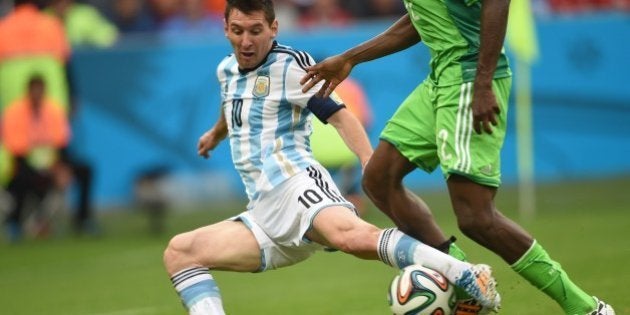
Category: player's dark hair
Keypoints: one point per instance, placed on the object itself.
(249, 6)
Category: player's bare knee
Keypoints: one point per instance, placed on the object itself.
(177, 253)
(474, 226)
(170, 253)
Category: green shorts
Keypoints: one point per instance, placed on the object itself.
(434, 126)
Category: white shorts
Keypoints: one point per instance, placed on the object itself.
(280, 218)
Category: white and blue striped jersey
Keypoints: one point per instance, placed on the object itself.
(269, 117)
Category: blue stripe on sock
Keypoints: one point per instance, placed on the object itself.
(404, 250)
(198, 291)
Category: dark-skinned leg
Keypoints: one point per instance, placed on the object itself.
(479, 219)
(383, 184)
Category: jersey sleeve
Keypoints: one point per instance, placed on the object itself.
(322, 108)
(222, 77)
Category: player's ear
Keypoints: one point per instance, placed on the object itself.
(274, 29)
(225, 27)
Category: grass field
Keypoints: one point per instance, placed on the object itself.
(585, 226)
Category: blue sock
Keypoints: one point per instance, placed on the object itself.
(198, 291)
(396, 249)
(400, 250)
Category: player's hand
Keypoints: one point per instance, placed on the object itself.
(332, 71)
(206, 143)
(484, 109)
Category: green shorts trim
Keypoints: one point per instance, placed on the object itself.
(433, 126)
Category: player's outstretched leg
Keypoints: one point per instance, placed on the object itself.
(400, 250)
(339, 228)
(479, 219)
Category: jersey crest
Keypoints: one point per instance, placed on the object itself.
(261, 86)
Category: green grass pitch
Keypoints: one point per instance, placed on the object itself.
(585, 226)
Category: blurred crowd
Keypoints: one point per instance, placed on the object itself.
(585, 6)
(132, 16)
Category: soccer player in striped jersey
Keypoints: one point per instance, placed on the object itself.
(294, 207)
(456, 118)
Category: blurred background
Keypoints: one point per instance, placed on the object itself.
(137, 80)
(144, 93)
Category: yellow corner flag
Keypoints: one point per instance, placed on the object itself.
(521, 32)
(521, 38)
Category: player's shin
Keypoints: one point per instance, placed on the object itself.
(198, 291)
(547, 275)
(400, 250)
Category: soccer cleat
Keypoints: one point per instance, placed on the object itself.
(602, 308)
(479, 283)
(469, 307)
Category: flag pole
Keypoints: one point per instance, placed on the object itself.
(524, 141)
(521, 37)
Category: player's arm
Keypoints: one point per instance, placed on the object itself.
(353, 134)
(211, 138)
(401, 35)
(331, 110)
(333, 70)
(494, 17)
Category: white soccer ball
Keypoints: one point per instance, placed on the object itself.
(418, 290)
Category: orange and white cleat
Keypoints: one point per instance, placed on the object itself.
(478, 282)
(469, 307)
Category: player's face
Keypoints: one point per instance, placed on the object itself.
(250, 35)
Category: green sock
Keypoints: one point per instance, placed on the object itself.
(458, 254)
(548, 276)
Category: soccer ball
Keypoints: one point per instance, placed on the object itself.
(418, 290)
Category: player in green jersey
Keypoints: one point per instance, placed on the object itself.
(456, 118)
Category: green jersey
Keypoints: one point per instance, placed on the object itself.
(450, 29)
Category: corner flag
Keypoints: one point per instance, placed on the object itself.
(521, 31)
(521, 38)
